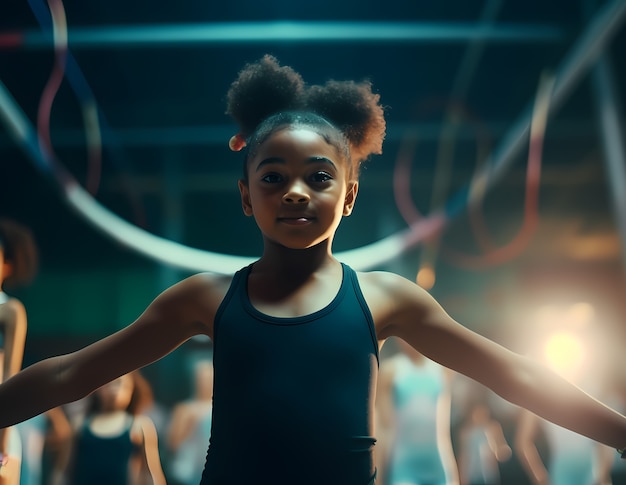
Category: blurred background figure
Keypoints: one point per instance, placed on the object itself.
(114, 443)
(413, 421)
(550, 454)
(18, 266)
(573, 459)
(45, 447)
(22, 447)
(616, 397)
(190, 428)
(481, 443)
(571, 346)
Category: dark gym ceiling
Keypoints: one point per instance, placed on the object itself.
(156, 73)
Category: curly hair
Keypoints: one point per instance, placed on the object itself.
(19, 248)
(266, 97)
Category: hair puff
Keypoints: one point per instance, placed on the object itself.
(261, 89)
(264, 88)
(19, 248)
(355, 110)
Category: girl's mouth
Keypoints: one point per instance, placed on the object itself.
(295, 221)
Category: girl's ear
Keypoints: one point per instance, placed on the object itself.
(245, 197)
(348, 204)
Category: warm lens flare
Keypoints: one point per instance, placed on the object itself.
(426, 277)
(565, 353)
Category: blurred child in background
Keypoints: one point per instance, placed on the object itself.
(115, 443)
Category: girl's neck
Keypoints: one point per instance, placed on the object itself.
(284, 261)
(290, 287)
(111, 411)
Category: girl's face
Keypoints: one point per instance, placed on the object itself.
(297, 188)
(116, 394)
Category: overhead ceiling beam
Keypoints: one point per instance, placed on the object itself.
(284, 31)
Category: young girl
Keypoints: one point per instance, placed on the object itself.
(190, 427)
(297, 333)
(21, 447)
(569, 457)
(413, 426)
(18, 265)
(115, 443)
(482, 444)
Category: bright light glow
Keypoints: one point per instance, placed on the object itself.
(565, 354)
(426, 277)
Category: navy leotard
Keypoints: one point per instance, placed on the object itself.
(103, 460)
(293, 397)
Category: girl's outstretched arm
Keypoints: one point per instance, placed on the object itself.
(403, 309)
(180, 312)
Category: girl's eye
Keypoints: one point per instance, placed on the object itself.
(321, 177)
(272, 178)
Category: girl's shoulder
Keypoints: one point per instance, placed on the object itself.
(208, 288)
(11, 310)
(392, 299)
(192, 302)
(381, 279)
(214, 282)
(141, 423)
(383, 288)
(142, 429)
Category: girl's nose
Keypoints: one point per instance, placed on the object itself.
(296, 195)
